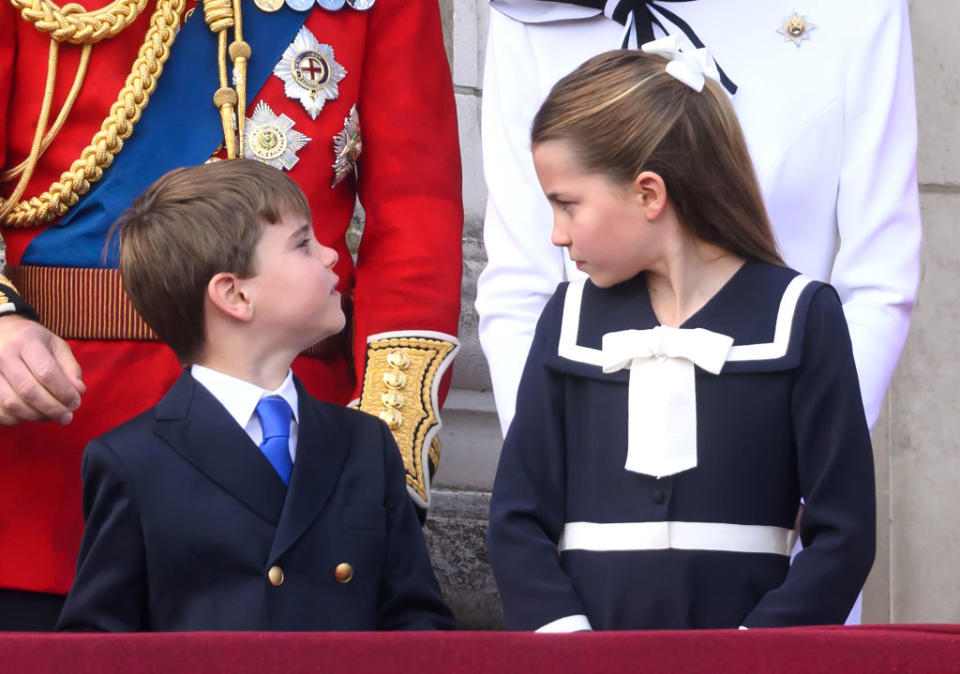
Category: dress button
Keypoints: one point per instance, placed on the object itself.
(657, 496)
(275, 575)
(343, 573)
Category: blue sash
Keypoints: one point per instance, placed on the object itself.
(179, 127)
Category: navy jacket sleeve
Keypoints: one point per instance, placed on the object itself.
(835, 467)
(527, 509)
(109, 592)
(410, 597)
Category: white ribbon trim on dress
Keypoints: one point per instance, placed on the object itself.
(690, 67)
(712, 536)
(571, 623)
(661, 395)
(570, 327)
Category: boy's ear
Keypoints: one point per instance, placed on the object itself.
(226, 293)
(651, 193)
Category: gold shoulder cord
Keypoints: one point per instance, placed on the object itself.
(73, 24)
(221, 15)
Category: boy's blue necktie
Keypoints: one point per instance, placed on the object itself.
(275, 415)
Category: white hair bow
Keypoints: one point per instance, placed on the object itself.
(692, 68)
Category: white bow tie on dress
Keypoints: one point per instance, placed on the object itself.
(661, 394)
(690, 67)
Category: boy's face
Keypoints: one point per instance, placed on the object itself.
(294, 290)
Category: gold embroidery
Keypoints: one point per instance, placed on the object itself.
(4, 281)
(400, 386)
(435, 453)
(4, 300)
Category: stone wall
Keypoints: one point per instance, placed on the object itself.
(470, 437)
(917, 440)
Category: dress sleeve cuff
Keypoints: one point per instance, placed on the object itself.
(572, 623)
(401, 386)
(12, 303)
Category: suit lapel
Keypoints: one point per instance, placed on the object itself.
(322, 447)
(198, 428)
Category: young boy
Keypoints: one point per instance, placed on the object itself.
(240, 502)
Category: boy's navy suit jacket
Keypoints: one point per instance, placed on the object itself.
(185, 518)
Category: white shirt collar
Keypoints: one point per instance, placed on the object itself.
(240, 397)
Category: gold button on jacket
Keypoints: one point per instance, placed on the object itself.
(275, 575)
(343, 573)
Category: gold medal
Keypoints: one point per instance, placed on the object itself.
(272, 139)
(796, 29)
(268, 5)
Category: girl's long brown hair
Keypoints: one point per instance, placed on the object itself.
(623, 114)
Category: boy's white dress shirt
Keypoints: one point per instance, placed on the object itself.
(240, 399)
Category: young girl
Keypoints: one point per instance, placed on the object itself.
(677, 406)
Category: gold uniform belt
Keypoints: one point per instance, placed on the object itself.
(89, 303)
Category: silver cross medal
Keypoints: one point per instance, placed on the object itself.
(309, 72)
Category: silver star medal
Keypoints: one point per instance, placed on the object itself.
(347, 146)
(309, 72)
(796, 28)
(271, 138)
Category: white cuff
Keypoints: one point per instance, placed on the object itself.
(572, 623)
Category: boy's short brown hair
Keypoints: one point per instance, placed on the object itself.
(190, 225)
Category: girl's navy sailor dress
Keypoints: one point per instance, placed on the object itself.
(668, 500)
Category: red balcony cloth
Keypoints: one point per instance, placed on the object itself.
(877, 649)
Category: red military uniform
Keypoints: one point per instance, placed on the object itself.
(405, 281)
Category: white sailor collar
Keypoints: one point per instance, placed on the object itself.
(762, 308)
(541, 11)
